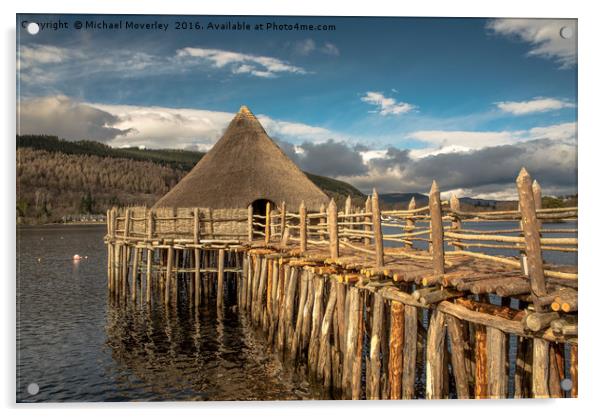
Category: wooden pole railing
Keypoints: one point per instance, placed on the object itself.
(410, 222)
(377, 231)
(530, 224)
(438, 251)
(303, 227)
(268, 225)
(333, 230)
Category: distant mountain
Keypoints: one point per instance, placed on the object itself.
(401, 200)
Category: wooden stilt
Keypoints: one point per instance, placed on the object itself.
(356, 377)
(458, 353)
(316, 320)
(396, 351)
(373, 383)
(496, 363)
(541, 368)
(481, 384)
(324, 356)
(351, 338)
(410, 340)
(434, 356)
(168, 275)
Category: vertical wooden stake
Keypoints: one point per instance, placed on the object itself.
(436, 230)
(532, 238)
(250, 223)
(268, 221)
(197, 277)
(135, 273)
(356, 377)
(333, 230)
(303, 227)
(149, 274)
(368, 219)
(541, 368)
(574, 371)
(396, 344)
(282, 219)
(373, 383)
(537, 199)
(434, 356)
(481, 385)
(220, 279)
(456, 225)
(410, 222)
(377, 231)
(195, 225)
(458, 355)
(496, 363)
(168, 274)
(409, 351)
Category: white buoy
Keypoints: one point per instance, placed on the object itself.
(76, 257)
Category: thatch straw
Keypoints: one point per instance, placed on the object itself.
(243, 166)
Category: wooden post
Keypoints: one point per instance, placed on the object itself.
(409, 352)
(574, 371)
(410, 222)
(396, 353)
(481, 385)
(250, 223)
(434, 356)
(368, 219)
(282, 220)
(496, 363)
(347, 212)
(324, 356)
(333, 230)
(149, 274)
(351, 338)
(220, 278)
(541, 367)
(537, 199)
(195, 225)
(373, 383)
(356, 377)
(377, 231)
(135, 273)
(299, 323)
(322, 221)
(456, 224)
(316, 319)
(303, 227)
(197, 277)
(532, 238)
(436, 230)
(458, 355)
(268, 220)
(168, 274)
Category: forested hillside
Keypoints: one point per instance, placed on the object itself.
(56, 178)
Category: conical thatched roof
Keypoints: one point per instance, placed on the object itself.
(243, 166)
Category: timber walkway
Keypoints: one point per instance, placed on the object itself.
(360, 295)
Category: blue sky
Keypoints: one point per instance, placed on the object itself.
(395, 95)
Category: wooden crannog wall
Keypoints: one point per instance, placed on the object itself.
(349, 295)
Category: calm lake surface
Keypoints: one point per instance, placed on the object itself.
(78, 346)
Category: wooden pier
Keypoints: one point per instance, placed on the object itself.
(361, 296)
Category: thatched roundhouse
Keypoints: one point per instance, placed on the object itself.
(245, 167)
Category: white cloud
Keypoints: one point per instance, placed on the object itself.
(260, 66)
(454, 141)
(544, 37)
(153, 127)
(330, 49)
(537, 105)
(386, 105)
(305, 47)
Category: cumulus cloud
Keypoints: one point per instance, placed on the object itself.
(544, 37)
(69, 119)
(453, 141)
(153, 127)
(330, 49)
(386, 105)
(240, 63)
(537, 105)
(328, 158)
(305, 47)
